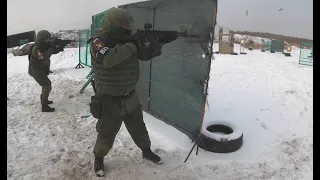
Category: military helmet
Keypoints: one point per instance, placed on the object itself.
(116, 18)
(43, 36)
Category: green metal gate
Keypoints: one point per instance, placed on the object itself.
(306, 53)
(84, 50)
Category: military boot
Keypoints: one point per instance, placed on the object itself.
(99, 167)
(45, 107)
(149, 155)
(48, 102)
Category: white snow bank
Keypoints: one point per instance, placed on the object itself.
(264, 94)
(9, 50)
(254, 39)
(268, 96)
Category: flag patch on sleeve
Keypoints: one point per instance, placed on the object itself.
(99, 46)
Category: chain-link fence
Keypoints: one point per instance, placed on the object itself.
(96, 23)
(84, 50)
(172, 87)
(306, 53)
(84, 35)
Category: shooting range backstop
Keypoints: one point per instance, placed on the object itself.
(20, 39)
(276, 46)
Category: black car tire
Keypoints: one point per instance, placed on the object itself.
(212, 140)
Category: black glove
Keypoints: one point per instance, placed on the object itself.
(148, 50)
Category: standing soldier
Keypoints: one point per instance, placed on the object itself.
(116, 68)
(39, 64)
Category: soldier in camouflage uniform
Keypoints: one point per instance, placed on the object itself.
(39, 63)
(116, 75)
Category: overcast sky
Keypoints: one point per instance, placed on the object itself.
(296, 18)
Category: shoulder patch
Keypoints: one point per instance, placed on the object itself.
(39, 54)
(99, 47)
(98, 44)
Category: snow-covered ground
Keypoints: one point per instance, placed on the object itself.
(268, 96)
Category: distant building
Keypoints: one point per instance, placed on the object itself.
(21, 38)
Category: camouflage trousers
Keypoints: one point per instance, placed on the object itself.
(45, 83)
(108, 127)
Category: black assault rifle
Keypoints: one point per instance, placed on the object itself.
(148, 36)
(58, 45)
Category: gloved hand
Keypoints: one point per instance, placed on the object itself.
(56, 49)
(149, 50)
(61, 49)
(50, 51)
